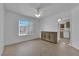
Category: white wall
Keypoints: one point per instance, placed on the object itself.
(1, 28)
(75, 27)
(11, 28)
(51, 23)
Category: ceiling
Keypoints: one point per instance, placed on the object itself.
(46, 9)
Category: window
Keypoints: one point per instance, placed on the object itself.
(25, 27)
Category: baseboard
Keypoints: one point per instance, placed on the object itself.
(73, 47)
(21, 42)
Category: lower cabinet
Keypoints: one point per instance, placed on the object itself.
(49, 36)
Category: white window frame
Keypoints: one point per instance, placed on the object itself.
(26, 33)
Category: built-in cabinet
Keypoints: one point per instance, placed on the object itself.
(49, 36)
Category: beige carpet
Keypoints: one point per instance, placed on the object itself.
(39, 48)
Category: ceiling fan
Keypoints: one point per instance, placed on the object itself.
(38, 11)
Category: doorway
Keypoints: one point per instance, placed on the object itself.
(64, 31)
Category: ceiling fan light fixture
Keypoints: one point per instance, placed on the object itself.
(59, 19)
(37, 15)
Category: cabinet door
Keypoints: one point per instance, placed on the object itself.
(47, 35)
(66, 34)
(67, 24)
(61, 34)
(42, 35)
(61, 25)
(53, 37)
